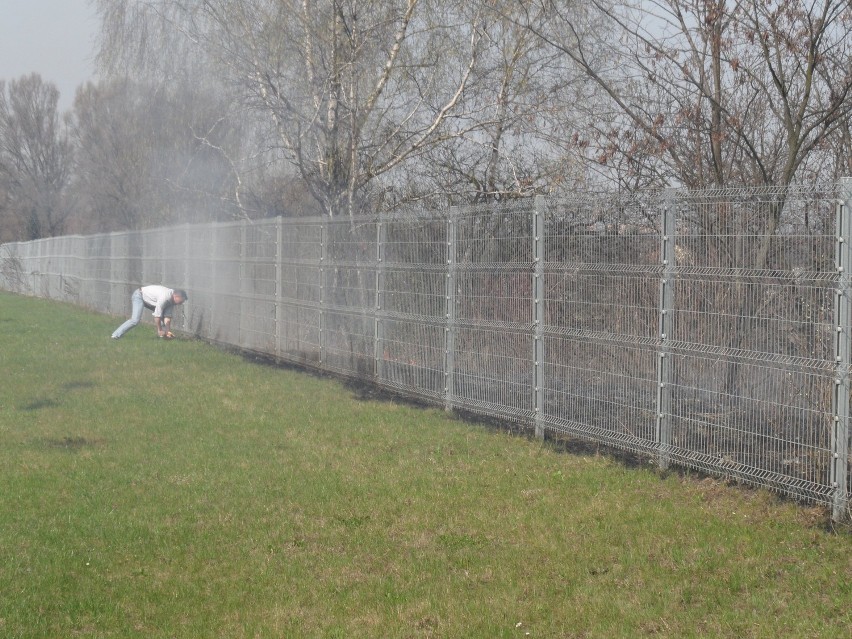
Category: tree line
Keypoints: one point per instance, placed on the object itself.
(215, 109)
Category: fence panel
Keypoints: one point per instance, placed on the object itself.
(752, 344)
(258, 278)
(413, 305)
(602, 272)
(200, 268)
(493, 337)
(300, 291)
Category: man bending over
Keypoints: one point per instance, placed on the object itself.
(159, 299)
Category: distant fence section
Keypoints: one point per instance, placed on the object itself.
(706, 329)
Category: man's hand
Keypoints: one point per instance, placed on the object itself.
(165, 325)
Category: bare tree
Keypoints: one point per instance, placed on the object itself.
(149, 155)
(711, 92)
(113, 169)
(34, 157)
(518, 94)
(352, 88)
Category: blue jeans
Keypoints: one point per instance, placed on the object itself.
(135, 315)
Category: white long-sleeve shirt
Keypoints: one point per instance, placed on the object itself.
(158, 299)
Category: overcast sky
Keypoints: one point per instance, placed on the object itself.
(54, 38)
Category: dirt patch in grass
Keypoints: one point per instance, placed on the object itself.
(71, 443)
(41, 402)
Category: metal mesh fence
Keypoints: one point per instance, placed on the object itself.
(707, 329)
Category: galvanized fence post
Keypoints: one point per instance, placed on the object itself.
(538, 314)
(379, 336)
(147, 258)
(664, 363)
(163, 262)
(212, 325)
(322, 318)
(279, 282)
(842, 353)
(187, 247)
(450, 311)
(241, 276)
(118, 268)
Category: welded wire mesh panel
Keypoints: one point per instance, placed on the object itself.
(260, 254)
(257, 325)
(416, 292)
(494, 294)
(776, 430)
(54, 255)
(413, 312)
(96, 291)
(493, 372)
(349, 279)
(602, 390)
(301, 259)
(301, 282)
(126, 258)
(754, 287)
(592, 300)
(601, 312)
(780, 313)
(300, 290)
(41, 267)
(38, 267)
(350, 286)
(153, 250)
(497, 268)
(173, 244)
(225, 324)
(71, 267)
(12, 271)
(413, 305)
(351, 241)
(302, 241)
(29, 267)
(348, 343)
(300, 338)
(753, 336)
(602, 266)
(412, 358)
(415, 240)
(201, 259)
(350, 272)
(258, 283)
(492, 310)
(35, 267)
(494, 234)
(414, 268)
(200, 282)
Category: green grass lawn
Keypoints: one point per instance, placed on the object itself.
(169, 489)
